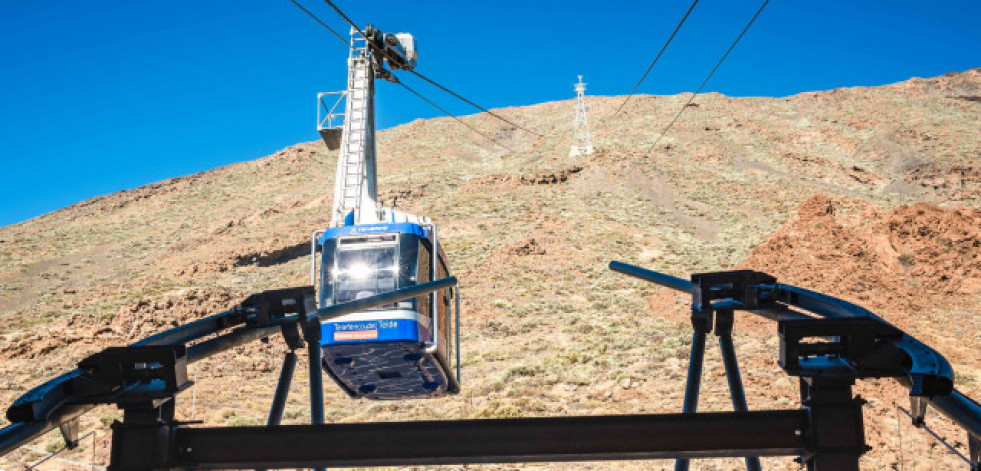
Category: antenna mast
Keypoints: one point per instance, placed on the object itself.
(582, 144)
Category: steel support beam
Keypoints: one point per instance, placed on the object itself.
(837, 428)
(695, 361)
(282, 389)
(723, 329)
(556, 439)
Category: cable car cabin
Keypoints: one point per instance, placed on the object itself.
(398, 350)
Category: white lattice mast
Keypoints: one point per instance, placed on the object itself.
(582, 144)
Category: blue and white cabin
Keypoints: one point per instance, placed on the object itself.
(390, 352)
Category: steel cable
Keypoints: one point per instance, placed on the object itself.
(328, 28)
(707, 78)
(658, 56)
(434, 105)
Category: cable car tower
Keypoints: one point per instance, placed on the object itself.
(582, 144)
(403, 349)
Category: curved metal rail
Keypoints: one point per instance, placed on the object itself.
(929, 375)
(70, 395)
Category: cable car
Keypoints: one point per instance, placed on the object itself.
(400, 350)
(403, 349)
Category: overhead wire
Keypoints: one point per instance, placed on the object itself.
(399, 82)
(328, 28)
(658, 56)
(707, 78)
(485, 110)
(434, 105)
(64, 447)
(427, 79)
(346, 18)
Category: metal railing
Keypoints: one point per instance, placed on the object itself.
(327, 110)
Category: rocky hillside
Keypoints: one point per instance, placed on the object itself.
(871, 194)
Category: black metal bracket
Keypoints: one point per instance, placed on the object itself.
(738, 289)
(861, 347)
(857, 347)
(123, 375)
(291, 335)
(264, 308)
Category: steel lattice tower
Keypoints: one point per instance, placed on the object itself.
(582, 144)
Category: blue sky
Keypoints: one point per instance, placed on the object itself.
(105, 95)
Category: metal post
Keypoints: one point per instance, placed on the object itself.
(312, 334)
(732, 374)
(837, 431)
(282, 389)
(458, 380)
(974, 450)
(694, 381)
(723, 329)
(694, 372)
(142, 439)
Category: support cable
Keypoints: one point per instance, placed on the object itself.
(328, 28)
(485, 110)
(697, 91)
(658, 56)
(940, 439)
(434, 105)
(431, 81)
(346, 18)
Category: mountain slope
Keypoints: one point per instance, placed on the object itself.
(529, 232)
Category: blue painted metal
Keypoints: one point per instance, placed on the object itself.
(397, 227)
(379, 330)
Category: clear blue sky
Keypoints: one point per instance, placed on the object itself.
(105, 95)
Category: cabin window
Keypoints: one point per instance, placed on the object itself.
(326, 272)
(425, 275)
(408, 263)
(443, 305)
(364, 271)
